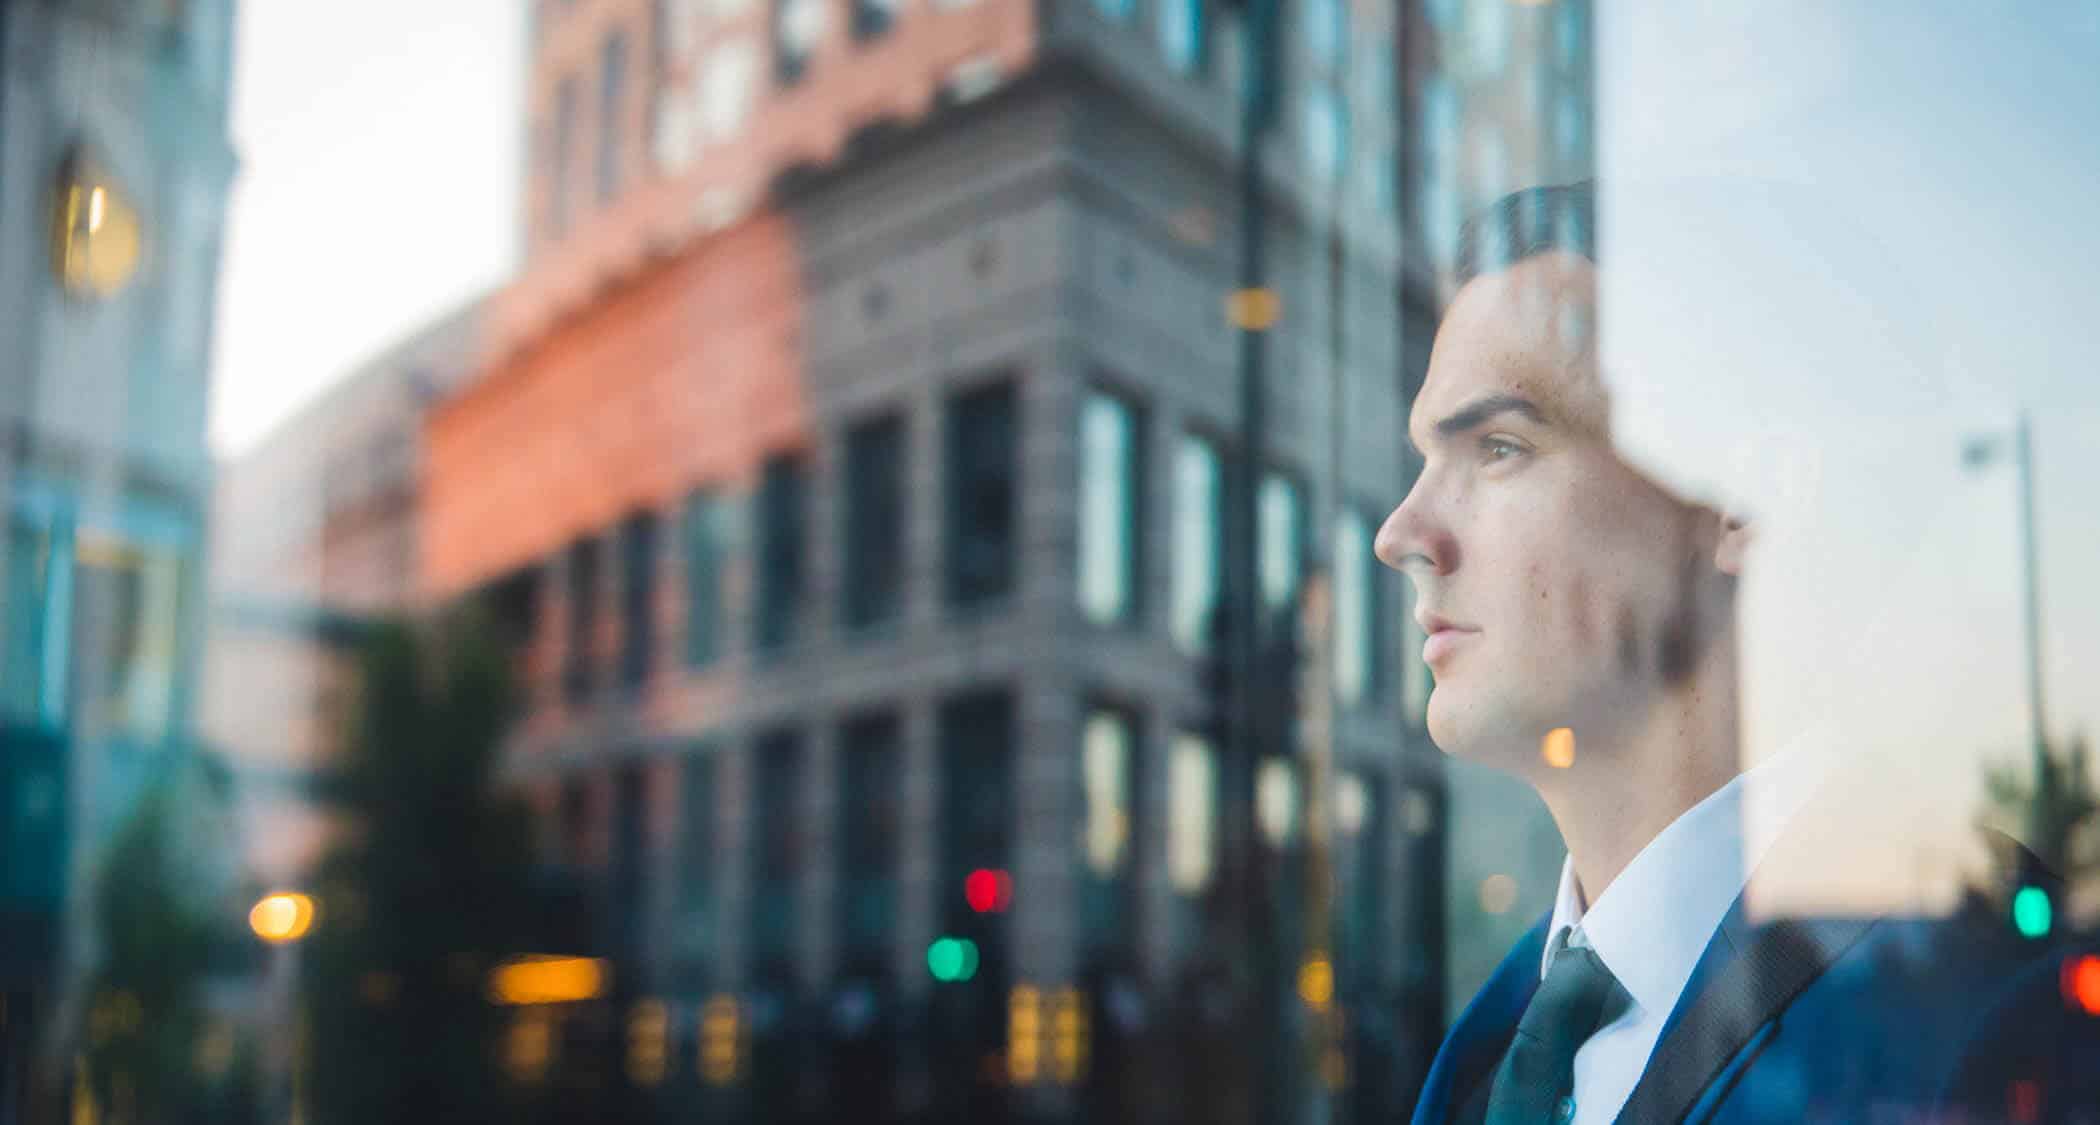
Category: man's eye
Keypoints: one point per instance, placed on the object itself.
(1500, 448)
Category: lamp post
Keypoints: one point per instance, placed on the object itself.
(1979, 452)
(283, 919)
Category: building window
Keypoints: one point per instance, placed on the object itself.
(726, 88)
(1192, 837)
(560, 156)
(1118, 10)
(870, 834)
(1359, 819)
(798, 26)
(1181, 34)
(1282, 530)
(697, 851)
(983, 466)
(1358, 632)
(1322, 28)
(780, 577)
(638, 550)
(1324, 128)
(1107, 830)
(1111, 472)
(873, 17)
(577, 660)
(29, 571)
(612, 102)
(874, 520)
(706, 526)
(776, 852)
(1199, 520)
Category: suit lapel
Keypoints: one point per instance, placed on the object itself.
(1482, 1033)
(1748, 975)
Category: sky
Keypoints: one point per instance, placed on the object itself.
(380, 148)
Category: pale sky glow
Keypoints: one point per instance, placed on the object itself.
(380, 146)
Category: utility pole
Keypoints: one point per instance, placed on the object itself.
(1253, 308)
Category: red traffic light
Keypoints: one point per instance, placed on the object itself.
(2081, 981)
(989, 891)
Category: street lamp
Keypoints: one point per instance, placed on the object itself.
(1981, 452)
(284, 918)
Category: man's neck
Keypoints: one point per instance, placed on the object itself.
(1618, 797)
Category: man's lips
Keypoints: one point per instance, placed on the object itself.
(1444, 638)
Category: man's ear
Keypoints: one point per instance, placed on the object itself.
(1733, 545)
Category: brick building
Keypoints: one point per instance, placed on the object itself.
(852, 458)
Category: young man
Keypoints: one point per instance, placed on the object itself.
(1581, 629)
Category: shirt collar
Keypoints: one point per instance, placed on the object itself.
(1651, 926)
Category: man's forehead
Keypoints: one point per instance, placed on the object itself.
(1526, 333)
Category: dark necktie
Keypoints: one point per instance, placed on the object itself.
(1535, 1083)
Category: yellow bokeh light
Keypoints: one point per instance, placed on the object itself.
(1558, 748)
(1498, 893)
(280, 917)
(1316, 982)
(1253, 310)
(548, 980)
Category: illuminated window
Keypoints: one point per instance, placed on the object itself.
(1109, 486)
(1356, 608)
(726, 89)
(1282, 545)
(1181, 34)
(1192, 811)
(95, 233)
(1199, 511)
(1107, 836)
(1322, 30)
(1324, 129)
(798, 26)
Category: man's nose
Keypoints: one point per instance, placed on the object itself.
(1414, 538)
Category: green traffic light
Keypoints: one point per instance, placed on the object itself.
(2031, 912)
(952, 959)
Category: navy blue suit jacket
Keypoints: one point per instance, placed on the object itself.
(1830, 1019)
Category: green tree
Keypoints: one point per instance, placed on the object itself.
(2038, 822)
(428, 889)
(143, 1016)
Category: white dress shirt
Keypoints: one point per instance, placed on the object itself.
(1651, 926)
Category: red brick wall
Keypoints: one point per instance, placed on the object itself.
(683, 376)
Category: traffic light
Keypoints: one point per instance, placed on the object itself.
(952, 960)
(2032, 912)
(989, 890)
(2081, 983)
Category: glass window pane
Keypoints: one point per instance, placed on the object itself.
(612, 101)
(983, 461)
(874, 518)
(1181, 33)
(1192, 794)
(1198, 512)
(1108, 478)
(704, 558)
(1282, 539)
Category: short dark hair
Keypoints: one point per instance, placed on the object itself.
(1527, 223)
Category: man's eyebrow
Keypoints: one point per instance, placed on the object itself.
(1480, 410)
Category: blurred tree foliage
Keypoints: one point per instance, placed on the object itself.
(429, 888)
(151, 1050)
(2052, 811)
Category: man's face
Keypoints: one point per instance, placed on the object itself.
(1553, 581)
